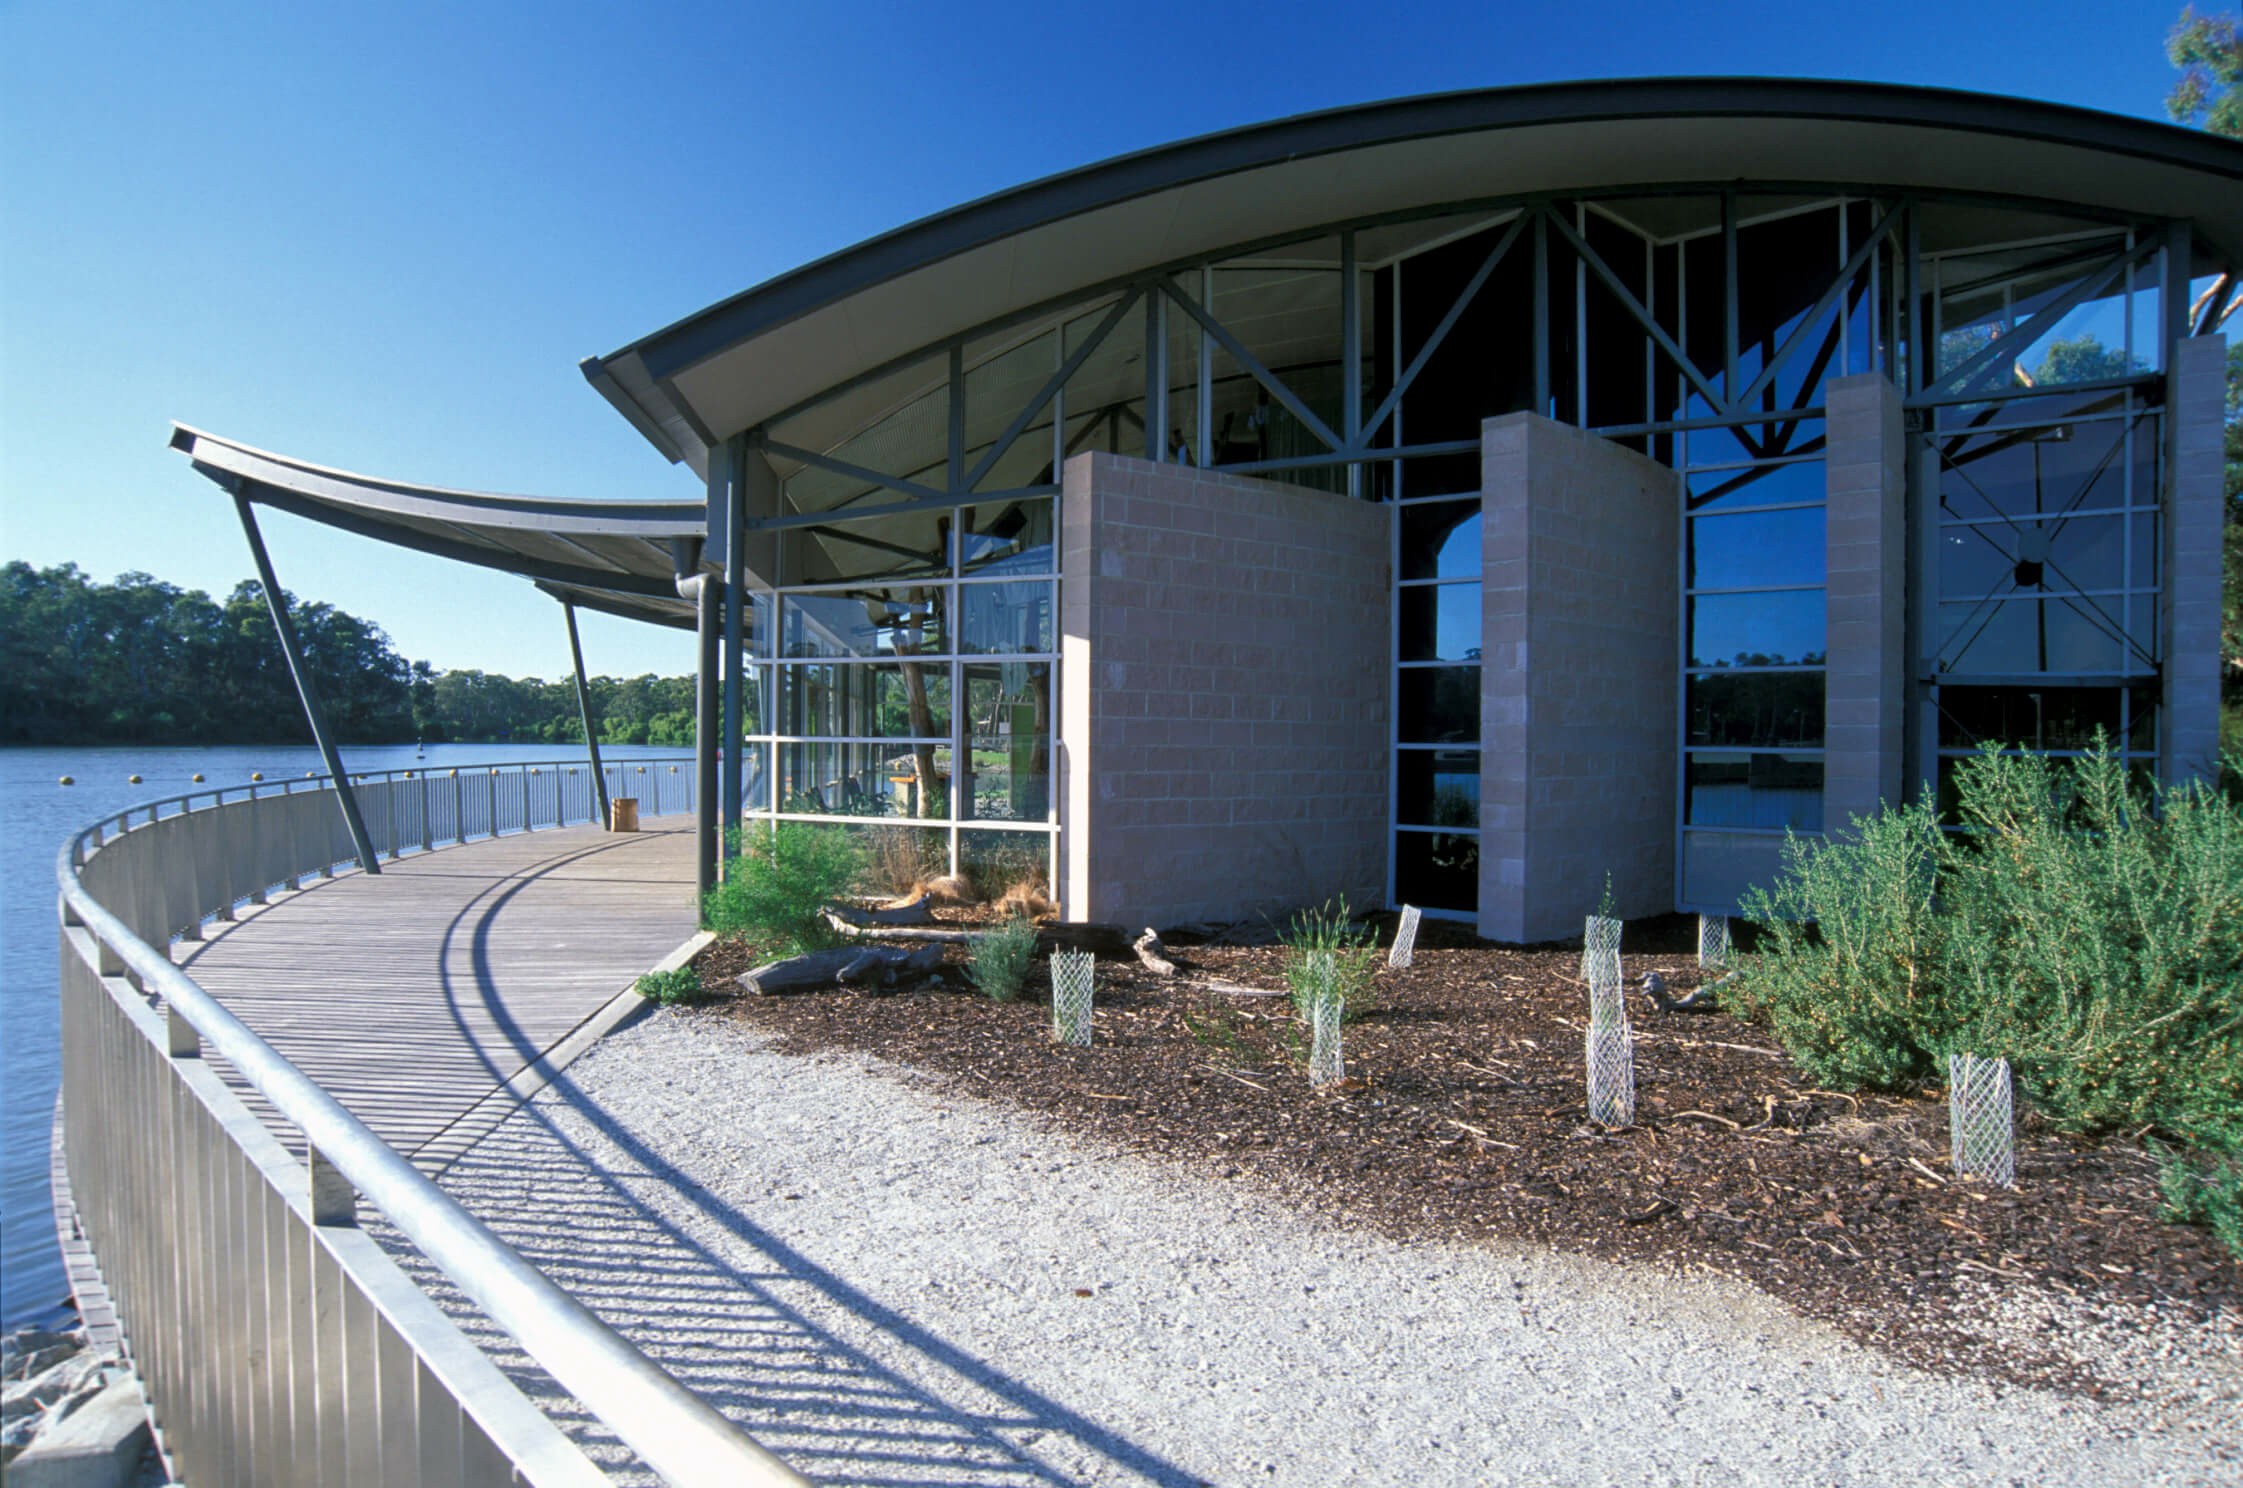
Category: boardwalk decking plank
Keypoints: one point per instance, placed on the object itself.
(412, 996)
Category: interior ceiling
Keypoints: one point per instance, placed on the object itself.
(744, 361)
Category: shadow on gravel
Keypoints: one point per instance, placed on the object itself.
(846, 1389)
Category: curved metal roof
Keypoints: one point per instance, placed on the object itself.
(751, 357)
(623, 557)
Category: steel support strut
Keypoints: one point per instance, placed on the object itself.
(297, 668)
(591, 724)
(708, 722)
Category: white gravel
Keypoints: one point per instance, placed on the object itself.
(884, 1279)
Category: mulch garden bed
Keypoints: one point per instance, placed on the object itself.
(1464, 1118)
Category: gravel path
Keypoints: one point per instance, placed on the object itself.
(889, 1281)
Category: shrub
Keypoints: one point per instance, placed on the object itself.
(776, 888)
(2206, 1188)
(2087, 928)
(681, 984)
(1330, 929)
(999, 959)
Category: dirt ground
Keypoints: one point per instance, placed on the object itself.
(1464, 1117)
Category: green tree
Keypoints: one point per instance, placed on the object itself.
(2210, 57)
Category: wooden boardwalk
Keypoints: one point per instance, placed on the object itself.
(413, 996)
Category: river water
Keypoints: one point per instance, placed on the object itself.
(39, 815)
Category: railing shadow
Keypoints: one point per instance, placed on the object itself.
(847, 1388)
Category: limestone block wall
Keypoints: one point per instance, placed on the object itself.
(1578, 677)
(1225, 673)
(2193, 514)
(1865, 474)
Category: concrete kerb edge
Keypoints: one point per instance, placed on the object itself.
(619, 1012)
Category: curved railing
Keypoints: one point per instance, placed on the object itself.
(276, 1341)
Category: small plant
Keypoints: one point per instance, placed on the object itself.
(682, 984)
(1604, 901)
(1330, 931)
(999, 960)
(776, 888)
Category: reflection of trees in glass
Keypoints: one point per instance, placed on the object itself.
(1454, 806)
(2071, 359)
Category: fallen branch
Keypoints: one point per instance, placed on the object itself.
(917, 912)
(1153, 954)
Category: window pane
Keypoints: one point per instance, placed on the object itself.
(999, 618)
(1784, 628)
(1438, 705)
(1440, 622)
(2023, 473)
(1437, 787)
(863, 622)
(1750, 441)
(1761, 485)
(885, 702)
(1012, 538)
(1441, 540)
(1766, 709)
(1437, 870)
(860, 779)
(1778, 547)
(2027, 717)
(995, 861)
(1008, 758)
(2033, 635)
(1755, 790)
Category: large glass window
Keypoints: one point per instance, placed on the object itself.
(1754, 648)
(923, 706)
(2047, 576)
(1436, 863)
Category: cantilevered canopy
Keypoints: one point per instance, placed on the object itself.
(620, 557)
(754, 357)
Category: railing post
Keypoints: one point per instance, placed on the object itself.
(180, 1039)
(334, 1201)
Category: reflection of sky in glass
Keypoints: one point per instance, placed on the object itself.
(1771, 629)
(1756, 548)
(1765, 485)
(1441, 623)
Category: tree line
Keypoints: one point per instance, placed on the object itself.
(140, 661)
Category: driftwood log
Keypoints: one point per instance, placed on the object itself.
(1155, 955)
(916, 912)
(856, 965)
(1697, 1000)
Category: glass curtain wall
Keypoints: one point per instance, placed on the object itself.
(1700, 326)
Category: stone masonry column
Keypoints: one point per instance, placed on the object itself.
(1865, 474)
(2196, 403)
(1224, 665)
(1579, 667)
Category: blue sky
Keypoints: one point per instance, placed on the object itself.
(382, 237)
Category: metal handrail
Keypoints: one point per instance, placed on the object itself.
(677, 1433)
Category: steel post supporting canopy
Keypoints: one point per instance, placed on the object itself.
(752, 359)
(619, 557)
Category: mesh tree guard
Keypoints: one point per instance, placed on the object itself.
(1607, 1004)
(1612, 1074)
(1070, 996)
(1405, 939)
(1599, 935)
(1325, 1010)
(1713, 941)
(1980, 1119)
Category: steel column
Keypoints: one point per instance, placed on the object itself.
(725, 485)
(708, 598)
(584, 712)
(305, 694)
